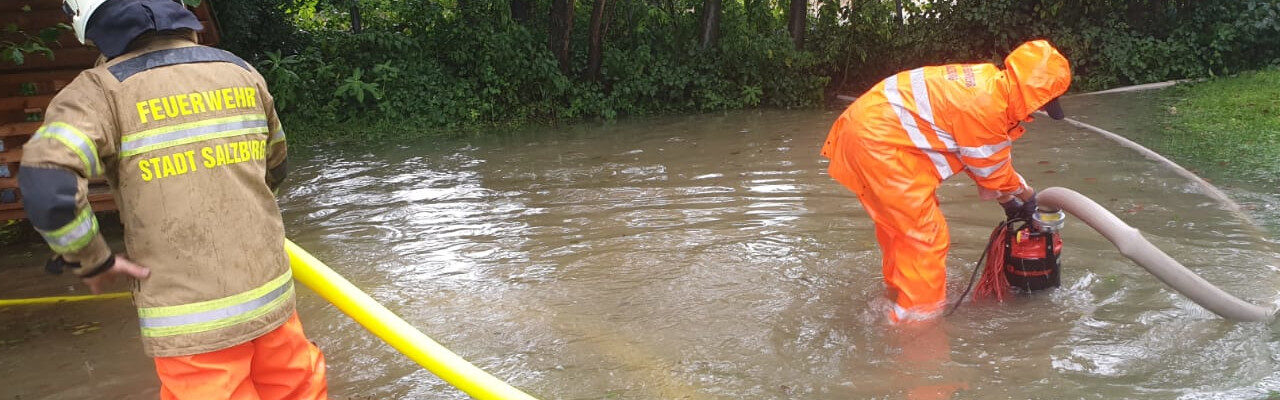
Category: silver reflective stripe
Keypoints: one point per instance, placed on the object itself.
(277, 136)
(909, 124)
(921, 92)
(74, 235)
(76, 140)
(983, 151)
(904, 314)
(181, 136)
(216, 314)
(987, 171)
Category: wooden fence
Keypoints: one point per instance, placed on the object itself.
(26, 89)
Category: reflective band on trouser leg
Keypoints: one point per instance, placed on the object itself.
(214, 314)
(908, 123)
(77, 141)
(176, 135)
(73, 236)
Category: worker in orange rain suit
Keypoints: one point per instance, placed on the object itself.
(189, 140)
(900, 140)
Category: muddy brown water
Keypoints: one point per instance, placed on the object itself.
(705, 257)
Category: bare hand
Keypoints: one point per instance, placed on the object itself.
(123, 267)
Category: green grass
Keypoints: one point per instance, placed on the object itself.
(10, 232)
(1227, 127)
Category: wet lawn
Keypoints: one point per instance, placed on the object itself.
(1230, 125)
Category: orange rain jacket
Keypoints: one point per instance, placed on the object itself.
(896, 143)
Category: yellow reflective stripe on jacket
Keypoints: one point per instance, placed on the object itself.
(218, 313)
(276, 137)
(73, 236)
(192, 132)
(74, 139)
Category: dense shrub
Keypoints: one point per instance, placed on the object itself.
(430, 64)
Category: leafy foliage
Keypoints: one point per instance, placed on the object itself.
(19, 43)
(449, 64)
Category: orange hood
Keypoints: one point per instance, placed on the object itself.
(1037, 73)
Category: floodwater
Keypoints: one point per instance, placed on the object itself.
(705, 257)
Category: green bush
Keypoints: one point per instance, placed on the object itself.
(422, 65)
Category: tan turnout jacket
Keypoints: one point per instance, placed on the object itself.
(189, 140)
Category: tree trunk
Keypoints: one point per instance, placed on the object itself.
(796, 23)
(521, 10)
(561, 31)
(711, 10)
(599, 26)
(355, 17)
(901, 20)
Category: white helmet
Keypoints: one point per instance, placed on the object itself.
(80, 11)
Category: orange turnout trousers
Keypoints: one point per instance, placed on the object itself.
(897, 191)
(281, 364)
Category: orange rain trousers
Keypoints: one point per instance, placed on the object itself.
(896, 186)
(281, 364)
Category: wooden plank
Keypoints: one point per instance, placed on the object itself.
(210, 35)
(19, 128)
(13, 142)
(10, 211)
(27, 102)
(11, 156)
(17, 5)
(96, 184)
(37, 19)
(46, 82)
(66, 38)
(63, 75)
(101, 202)
(79, 57)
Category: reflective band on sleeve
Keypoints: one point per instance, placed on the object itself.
(983, 151)
(276, 137)
(909, 124)
(215, 314)
(74, 139)
(192, 132)
(986, 172)
(75, 235)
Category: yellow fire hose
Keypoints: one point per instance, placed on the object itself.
(395, 331)
(59, 299)
(373, 316)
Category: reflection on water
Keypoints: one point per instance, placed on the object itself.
(711, 257)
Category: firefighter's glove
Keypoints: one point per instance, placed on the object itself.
(1018, 209)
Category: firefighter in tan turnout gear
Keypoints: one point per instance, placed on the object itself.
(189, 140)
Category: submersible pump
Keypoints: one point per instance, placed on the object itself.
(1031, 258)
(1024, 255)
